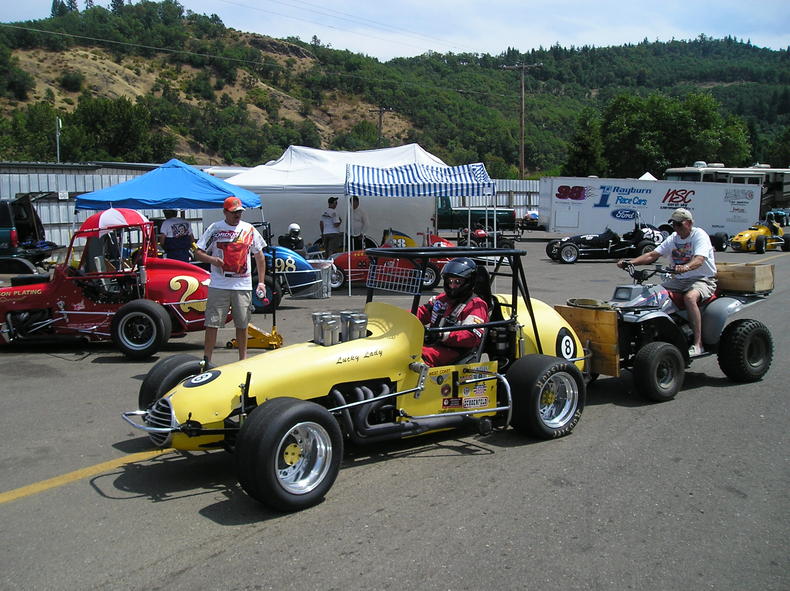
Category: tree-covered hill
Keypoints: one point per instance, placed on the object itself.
(152, 80)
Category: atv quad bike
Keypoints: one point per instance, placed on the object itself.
(644, 329)
(287, 414)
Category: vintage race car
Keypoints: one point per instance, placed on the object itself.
(606, 245)
(356, 263)
(760, 237)
(112, 286)
(287, 414)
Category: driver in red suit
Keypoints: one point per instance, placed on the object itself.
(457, 306)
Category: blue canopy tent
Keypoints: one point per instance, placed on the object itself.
(417, 180)
(173, 185)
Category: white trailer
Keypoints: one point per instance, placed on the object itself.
(586, 205)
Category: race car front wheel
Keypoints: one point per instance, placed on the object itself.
(569, 253)
(431, 276)
(548, 396)
(140, 328)
(337, 278)
(288, 453)
(165, 375)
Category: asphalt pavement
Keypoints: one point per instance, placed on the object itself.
(689, 494)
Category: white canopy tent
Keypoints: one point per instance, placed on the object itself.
(296, 186)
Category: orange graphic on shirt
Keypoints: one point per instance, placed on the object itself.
(234, 254)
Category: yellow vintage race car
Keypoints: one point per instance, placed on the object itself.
(759, 238)
(286, 414)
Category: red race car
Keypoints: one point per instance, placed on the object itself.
(356, 263)
(112, 286)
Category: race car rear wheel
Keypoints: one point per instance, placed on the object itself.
(431, 276)
(759, 244)
(786, 243)
(337, 278)
(165, 375)
(140, 328)
(569, 253)
(719, 241)
(659, 371)
(288, 453)
(746, 350)
(548, 396)
(644, 247)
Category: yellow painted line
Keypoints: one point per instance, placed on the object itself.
(37, 487)
(781, 254)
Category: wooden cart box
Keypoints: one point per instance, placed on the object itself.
(745, 277)
(597, 330)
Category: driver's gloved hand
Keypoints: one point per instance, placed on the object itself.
(431, 338)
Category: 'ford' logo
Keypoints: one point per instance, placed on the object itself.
(624, 214)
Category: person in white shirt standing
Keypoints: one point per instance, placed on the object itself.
(226, 245)
(330, 223)
(359, 225)
(692, 256)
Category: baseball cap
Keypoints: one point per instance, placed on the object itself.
(232, 204)
(681, 214)
(332, 199)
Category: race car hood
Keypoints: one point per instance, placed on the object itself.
(305, 370)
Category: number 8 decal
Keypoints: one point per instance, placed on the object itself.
(565, 346)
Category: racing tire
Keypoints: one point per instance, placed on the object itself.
(140, 328)
(644, 247)
(337, 278)
(431, 276)
(548, 396)
(506, 243)
(288, 453)
(552, 249)
(719, 241)
(746, 350)
(786, 243)
(157, 383)
(659, 369)
(759, 244)
(569, 253)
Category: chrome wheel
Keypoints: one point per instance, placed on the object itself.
(304, 455)
(559, 400)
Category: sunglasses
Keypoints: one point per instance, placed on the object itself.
(452, 281)
(674, 223)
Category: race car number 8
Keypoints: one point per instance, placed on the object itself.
(566, 344)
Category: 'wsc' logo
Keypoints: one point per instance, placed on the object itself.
(624, 214)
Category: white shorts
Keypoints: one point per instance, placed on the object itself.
(239, 301)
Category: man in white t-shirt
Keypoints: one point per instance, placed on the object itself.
(692, 256)
(175, 236)
(330, 228)
(226, 245)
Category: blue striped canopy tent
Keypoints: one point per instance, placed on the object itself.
(419, 180)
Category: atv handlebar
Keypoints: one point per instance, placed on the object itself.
(641, 275)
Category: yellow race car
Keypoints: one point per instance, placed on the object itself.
(762, 236)
(286, 414)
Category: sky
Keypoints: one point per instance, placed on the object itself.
(404, 28)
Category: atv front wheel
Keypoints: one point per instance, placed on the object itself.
(746, 350)
(548, 396)
(569, 253)
(288, 453)
(659, 371)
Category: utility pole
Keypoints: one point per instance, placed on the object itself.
(58, 125)
(523, 68)
(380, 111)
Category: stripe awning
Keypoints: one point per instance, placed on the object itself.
(418, 180)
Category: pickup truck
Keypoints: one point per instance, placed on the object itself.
(22, 244)
(455, 218)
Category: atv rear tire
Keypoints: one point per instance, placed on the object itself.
(659, 371)
(288, 453)
(746, 350)
(140, 328)
(548, 396)
(759, 244)
(569, 253)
